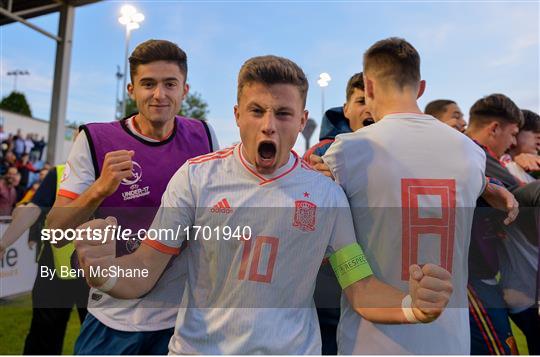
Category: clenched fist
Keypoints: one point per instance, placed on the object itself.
(117, 166)
(430, 287)
(96, 254)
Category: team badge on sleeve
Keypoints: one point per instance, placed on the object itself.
(304, 215)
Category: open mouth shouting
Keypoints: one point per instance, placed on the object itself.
(266, 154)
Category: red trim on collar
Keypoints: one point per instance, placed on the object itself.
(262, 178)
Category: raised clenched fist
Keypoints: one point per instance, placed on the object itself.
(430, 287)
(117, 165)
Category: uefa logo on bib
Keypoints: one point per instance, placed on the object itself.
(136, 175)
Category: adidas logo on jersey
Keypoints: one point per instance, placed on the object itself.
(222, 207)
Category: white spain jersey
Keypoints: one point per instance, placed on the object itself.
(252, 296)
(412, 183)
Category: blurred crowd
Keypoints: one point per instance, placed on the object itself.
(21, 168)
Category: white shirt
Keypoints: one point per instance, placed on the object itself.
(158, 309)
(386, 169)
(252, 296)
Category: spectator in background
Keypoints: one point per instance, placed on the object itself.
(28, 144)
(19, 145)
(522, 159)
(3, 134)
(29, 194)
(8, 193)
(448, 112)
(37, 150)
(7, 145)
(25, 167)
(8, 161)
(3, 137)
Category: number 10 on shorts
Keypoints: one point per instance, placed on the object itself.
(414, 224)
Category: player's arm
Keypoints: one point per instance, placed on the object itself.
(497, 196)
(528, 162)
(430, 287)
(23, 217)
(96, 257)
(176, 210)
(71, 209)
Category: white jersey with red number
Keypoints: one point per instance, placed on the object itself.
(251, 296)
(412, 183)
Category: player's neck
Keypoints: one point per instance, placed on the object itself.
(392, 101)
(154, 130)
(398, 107)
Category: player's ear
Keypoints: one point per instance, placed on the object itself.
(494, 127)
(303, 120)
(236, 114)
(368, 85)
(186, 91)
(130, 90)
(421, 88)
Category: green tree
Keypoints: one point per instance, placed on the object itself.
(16, 102)
(193, 106)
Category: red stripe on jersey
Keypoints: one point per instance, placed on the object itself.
(312, 149)
(306, 165)
(225, 203)
(161, 247)
(209, 155)
(210, 158)
(68, 194)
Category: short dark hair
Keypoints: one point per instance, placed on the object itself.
(157, 50)
(495, 107)
(531, 121)
(355, 82)
(437, 107)
(394, 61)
(269, 70)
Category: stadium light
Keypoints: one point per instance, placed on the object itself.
(130, 18)
(15, 74)
(324, 78)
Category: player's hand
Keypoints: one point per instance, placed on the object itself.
(318, 164)
(528, 162)
(117, 166)
(31, 244)
(96, 253)
(430, 288)
(500, 198)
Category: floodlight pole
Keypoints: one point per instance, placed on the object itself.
(57, 127)
(124, 88)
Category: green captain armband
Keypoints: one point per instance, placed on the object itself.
(350, 265)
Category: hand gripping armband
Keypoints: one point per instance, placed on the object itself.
(350, 265)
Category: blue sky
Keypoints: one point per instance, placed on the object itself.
(469, 49)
